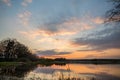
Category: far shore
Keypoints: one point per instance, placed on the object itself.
(94, 61)
(61, 62)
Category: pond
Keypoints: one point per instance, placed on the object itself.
(62, 72)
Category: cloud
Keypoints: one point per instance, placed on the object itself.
(50, 52)
(111, 53)
(58, 34)
(30, 34)
(45, 42)
(26, 2)
(104, 39)
(24, 17)
(70, 26)
(98, 20)
(7, 2)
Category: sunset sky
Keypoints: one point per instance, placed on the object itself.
(61, 28)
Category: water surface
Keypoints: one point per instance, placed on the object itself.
(62, 72)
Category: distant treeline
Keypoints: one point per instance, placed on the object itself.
(81, 61)
(91, 61)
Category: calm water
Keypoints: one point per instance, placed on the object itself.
(62, 72)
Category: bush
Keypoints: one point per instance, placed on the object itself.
(23, 60)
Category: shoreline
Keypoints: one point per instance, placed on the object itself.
(61, 62)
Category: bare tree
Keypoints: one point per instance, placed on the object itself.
(113, 15)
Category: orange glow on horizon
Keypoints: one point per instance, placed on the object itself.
(111, 53)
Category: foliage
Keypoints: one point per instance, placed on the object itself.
(12, 49)
(8, 64)
(60, 59)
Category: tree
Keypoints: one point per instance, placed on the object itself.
(7, 48)
(11, 48)
(113, 15)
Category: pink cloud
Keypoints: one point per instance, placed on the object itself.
(26, 2)
(98, 20)
(7, 2)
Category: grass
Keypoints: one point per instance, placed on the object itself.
(7, 64)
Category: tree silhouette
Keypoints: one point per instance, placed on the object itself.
(9, 51)
(11, 48)
(7, 48)
(113, 15)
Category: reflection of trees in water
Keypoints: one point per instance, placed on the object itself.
(9, 78)
(8, 70)
(18, 71)
(21, 70)
(74, 78)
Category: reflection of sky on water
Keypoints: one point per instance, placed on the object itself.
(56, 75)
(90, 68)
(47, 70)
(84, 72)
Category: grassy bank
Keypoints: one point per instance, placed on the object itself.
(7, 64)
(16, 63)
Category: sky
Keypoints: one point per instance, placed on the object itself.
(72, 29)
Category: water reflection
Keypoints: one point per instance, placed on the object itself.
(90, 68)
(61, 72)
